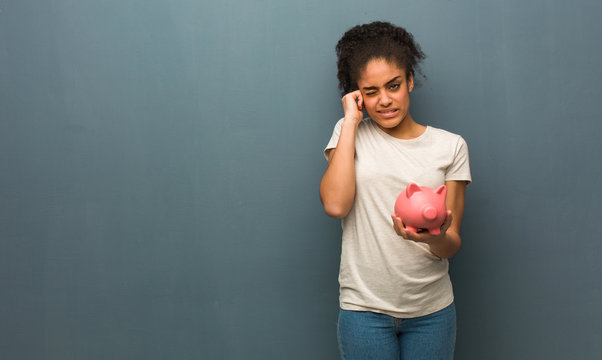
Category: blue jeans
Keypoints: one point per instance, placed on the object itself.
(366, 335)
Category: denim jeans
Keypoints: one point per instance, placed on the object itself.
(366, 335)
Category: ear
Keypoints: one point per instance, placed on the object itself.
(410, 82)
(442, 190)
(411, 189)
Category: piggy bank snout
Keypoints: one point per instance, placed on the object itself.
(429, 212)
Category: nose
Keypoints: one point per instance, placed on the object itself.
(384, 100)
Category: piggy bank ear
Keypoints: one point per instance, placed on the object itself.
(411, 189)
(442, 190)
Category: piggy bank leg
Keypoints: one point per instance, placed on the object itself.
(434, 231)
(411, 228)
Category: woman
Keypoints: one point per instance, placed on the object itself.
(396, 297)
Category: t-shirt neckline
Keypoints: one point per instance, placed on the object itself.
(398, 140)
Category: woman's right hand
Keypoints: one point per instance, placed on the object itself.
(353, 106)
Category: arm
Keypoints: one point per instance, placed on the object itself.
(448, 243)
(337, 188)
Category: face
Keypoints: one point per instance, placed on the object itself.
(386, 91)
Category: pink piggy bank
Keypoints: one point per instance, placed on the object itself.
(421, 207)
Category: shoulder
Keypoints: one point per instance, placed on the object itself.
(441, 133)
(442, 136)
(366, 124)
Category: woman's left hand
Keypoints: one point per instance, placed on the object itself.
(423, 236)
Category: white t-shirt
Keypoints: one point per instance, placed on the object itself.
(380, 271)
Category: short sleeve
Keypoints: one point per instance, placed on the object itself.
(334, 139)
(459, 170)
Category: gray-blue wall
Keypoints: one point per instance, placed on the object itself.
(160, 162)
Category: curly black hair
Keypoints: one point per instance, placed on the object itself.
(377, 40)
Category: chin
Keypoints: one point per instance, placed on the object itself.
(389, 123)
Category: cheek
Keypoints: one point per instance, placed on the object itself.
(369, 104)
(370, 108)
(404, 97)
(403, 100)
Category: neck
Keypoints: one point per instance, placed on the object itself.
(407, 129)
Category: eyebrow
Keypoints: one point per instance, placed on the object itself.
(388, 82)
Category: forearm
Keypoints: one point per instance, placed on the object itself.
(446, 246)
(337, 189)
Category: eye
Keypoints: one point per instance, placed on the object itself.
(371, 93)
(394, 87)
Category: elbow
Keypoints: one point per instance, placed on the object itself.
(335, 204)
(450, 254)
(336, 211)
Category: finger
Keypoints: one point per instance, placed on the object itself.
(448, 220)
(396, 224)
(349, 97)
(360, 102)
(410, 235)
(352, 102)
(421, 237)
(403, 232)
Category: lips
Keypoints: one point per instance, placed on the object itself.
(389, 113)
